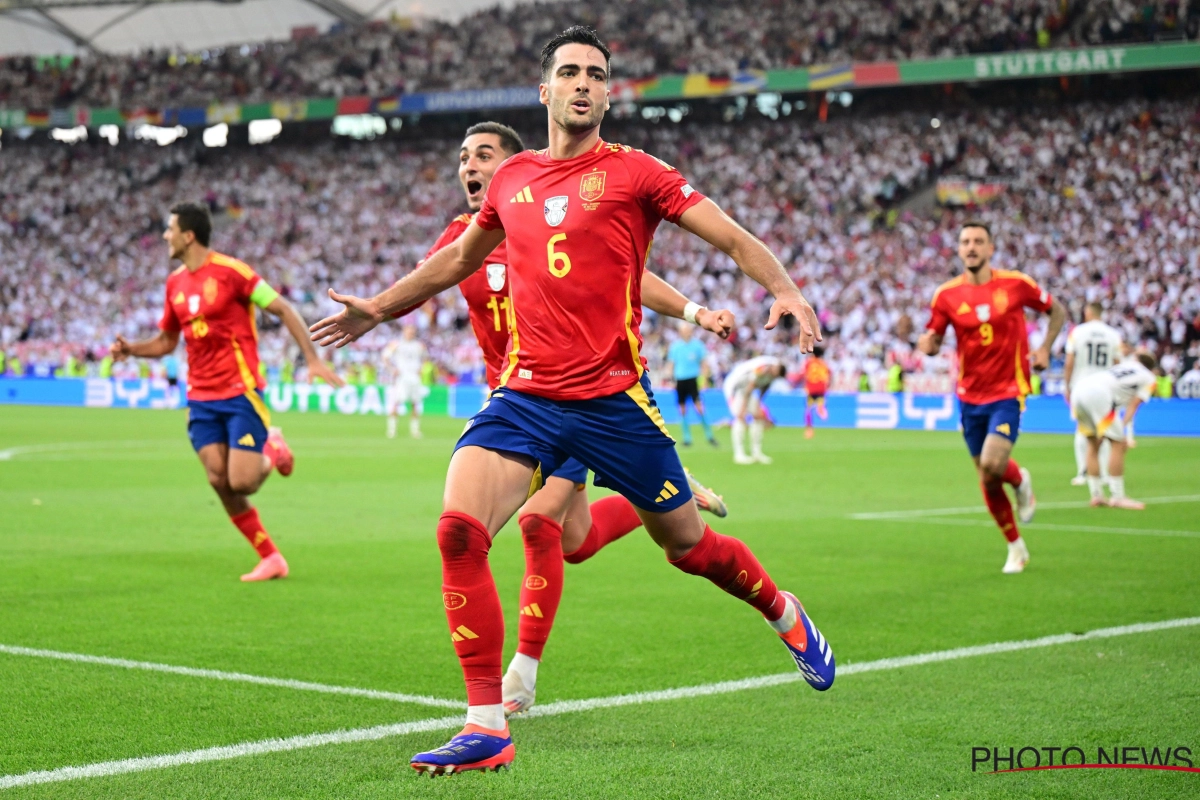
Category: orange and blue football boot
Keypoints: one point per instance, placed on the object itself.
(474, 748)
(812, 654)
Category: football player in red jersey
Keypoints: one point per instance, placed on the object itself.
(557, 523)
(816, 384)
(987, 309)
(211, 298)
(578, 219)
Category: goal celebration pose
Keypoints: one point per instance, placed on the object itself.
(578, 220)
(987, 309)
(557, 523)
(211, 299)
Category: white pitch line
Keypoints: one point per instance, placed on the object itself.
(108, 768)
(1053, 527)
(237, 677)
(944, 512)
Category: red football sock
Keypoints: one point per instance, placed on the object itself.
(252, 528)
(729, 564)
(1001, 508)
(472, 605)
(612, 518)
(542, 588)
(1012, 474)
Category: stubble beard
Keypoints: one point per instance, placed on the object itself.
(575, 125)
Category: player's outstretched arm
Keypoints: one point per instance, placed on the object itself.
(299, 331)
(1041, 356)
(663, 298)
(154, 347)
(710, 223)
(445, 268)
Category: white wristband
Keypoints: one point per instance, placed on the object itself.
(690, 310)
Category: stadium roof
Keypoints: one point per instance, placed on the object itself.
(49, 27)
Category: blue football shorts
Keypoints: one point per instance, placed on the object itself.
(240, 422)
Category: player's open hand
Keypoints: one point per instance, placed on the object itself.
(798, 307)
(358, 317)
(719, 322)
(119, 349)
(319, 369)
(1040, 359)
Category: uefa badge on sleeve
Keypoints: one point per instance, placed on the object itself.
(555, 210)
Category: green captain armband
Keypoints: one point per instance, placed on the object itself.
(263, 295)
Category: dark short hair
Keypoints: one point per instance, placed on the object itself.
(576, 34)
(194, 217)
(1148, 360)
(510, 140)
(975, 223)
(818, 350)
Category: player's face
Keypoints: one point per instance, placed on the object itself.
(177, 241)
(410, 332)
(975, 248)
(577, 90)
(478, 160)
(685, 330)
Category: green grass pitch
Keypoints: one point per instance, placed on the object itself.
(111, 544)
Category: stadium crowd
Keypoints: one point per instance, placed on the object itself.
(499, 47)
(1100, 202)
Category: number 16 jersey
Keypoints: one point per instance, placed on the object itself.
(578, 233)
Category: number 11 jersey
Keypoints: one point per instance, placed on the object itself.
(578, 234)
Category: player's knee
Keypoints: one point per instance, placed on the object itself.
(218, 480)
(457, 539)
(242, 485)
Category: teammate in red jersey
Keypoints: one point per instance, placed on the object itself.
(987, 309)
(211, 298)
(578, 218)
(557, 523)
(816, 384)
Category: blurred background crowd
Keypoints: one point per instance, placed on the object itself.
(499, 47)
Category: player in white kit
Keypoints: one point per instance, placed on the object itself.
(1096, 405)
(744, 387)
(1091, 347)
(405, 359)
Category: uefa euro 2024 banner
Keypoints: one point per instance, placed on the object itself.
(867, 410)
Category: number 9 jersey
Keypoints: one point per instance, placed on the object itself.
(578, 233)
(989, 323)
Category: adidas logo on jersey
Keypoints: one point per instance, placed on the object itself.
(246, 441)
(964, 309)
(668, 491)
(523, 196)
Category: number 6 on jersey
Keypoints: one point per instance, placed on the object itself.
(555, 259)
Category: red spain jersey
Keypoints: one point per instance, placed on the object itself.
(816, 375)
(989, 322)
(212, 307)
(578, 233)
(486, 293)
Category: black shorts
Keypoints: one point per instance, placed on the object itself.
(687, 389)
(172, 381)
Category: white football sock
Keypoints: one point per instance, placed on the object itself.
(1116, 486)
(756, 433)
(738, 430)
(1081, 448)
(391, 428)
(414, 426)
(787, 621)
(526, 667)
(1095, 486)
(490, 717)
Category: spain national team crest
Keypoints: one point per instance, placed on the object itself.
(555, 209)
(210, 291)
(591, 186)
(194, 304)
(984, 312)
(495, 277)
(1000, 301)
